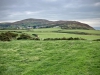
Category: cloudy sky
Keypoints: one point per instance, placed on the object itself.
(86, 11)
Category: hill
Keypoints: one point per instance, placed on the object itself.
(5, 25)
(42, 23)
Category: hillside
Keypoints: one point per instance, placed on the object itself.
(42, 23)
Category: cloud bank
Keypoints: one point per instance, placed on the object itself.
(86, 11)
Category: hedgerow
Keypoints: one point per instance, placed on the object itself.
(64, 38)
(96, 40)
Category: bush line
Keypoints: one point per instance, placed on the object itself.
(8, 36)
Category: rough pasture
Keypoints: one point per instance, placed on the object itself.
(26, 57)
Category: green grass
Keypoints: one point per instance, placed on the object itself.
(27, 57)
(86, 31)
(52, 33)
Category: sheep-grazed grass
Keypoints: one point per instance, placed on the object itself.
(28, 57)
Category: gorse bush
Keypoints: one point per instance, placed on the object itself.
(27, 37)
(4, 37)
(24, 36)
(35, 35)
(7, 36)
(13, 35)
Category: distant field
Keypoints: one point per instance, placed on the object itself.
(59, 33)
(26, 57)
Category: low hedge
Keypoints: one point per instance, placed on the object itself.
(64, 38)
(96, 40)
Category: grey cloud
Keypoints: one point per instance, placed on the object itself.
(49, 9)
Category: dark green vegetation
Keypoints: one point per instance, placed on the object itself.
(26, 57)
(42, 23)
(96, 40)
(7, 36)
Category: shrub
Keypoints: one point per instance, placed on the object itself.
(35, 35)
(35, 39)
(55, 38)
(63, 38)
(4, 38)
(12, 35)
(47, 39)
(24, 36)
(70, 38)
(7, 36)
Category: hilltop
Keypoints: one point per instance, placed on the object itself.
(42, 23)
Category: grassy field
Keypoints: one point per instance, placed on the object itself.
(60, 33)
(66, 57)
(52, 33)
(28, 57)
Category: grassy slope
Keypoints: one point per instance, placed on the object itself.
(50, 58)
